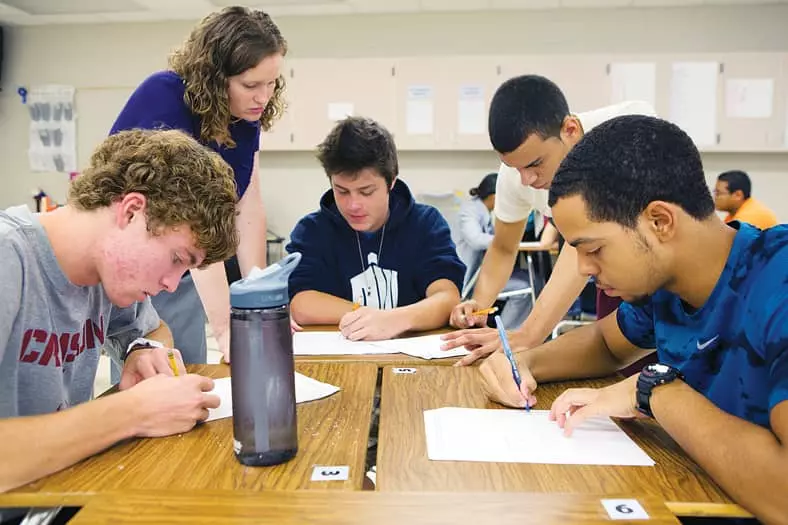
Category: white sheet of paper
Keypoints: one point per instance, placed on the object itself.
(306, 389)
(333, 343)
(693, 100)
(633, 81)
(749, 97)
(339, 110)
(518, 436)
(471, 114)
(419, 117)
(419, 110)
(425, 347)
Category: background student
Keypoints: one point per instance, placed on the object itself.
(475, 233)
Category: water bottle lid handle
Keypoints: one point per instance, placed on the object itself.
(264, 288)
(278, 272)
(288, 264)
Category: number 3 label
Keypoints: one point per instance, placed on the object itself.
(624, 509)
(329, 473)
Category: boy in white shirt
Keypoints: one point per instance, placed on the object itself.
(532, 130)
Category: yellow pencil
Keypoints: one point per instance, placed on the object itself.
(486, 311)
(173, 363)
(356, 306)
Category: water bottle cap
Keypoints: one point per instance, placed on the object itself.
(264, 288)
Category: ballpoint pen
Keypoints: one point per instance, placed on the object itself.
(507, 350)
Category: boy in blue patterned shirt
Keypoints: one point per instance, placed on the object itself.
(711, 298)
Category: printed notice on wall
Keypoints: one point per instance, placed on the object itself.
(471, 114)
(419, 110)
(693, 100)
(53, 130)
(749, 97)
(633, 81)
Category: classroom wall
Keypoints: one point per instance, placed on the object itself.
(106, 61)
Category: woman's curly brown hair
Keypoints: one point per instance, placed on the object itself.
(184, 183)
(225, 44)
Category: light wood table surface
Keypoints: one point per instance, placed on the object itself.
(380, 360)
(403, 464)
(331, 432)
(355, 508)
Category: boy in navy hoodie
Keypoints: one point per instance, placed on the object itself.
(373, 260)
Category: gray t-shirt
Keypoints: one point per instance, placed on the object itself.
(51, 331)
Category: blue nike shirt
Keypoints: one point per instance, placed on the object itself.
(733, 350)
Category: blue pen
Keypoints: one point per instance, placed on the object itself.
(507, 350)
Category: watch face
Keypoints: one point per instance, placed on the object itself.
(656, 370)
(659, 368)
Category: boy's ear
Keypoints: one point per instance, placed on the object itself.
(130, 208)
(571, 129)
(661, 218)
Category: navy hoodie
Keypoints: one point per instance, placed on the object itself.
(389, 268)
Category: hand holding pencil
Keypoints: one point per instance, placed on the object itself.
(469, 314)
(149, 362)
(172, 361)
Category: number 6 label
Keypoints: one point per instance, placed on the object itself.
(624, 509)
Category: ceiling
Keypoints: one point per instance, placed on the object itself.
(42, 12)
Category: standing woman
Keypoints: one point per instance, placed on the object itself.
(222, 86)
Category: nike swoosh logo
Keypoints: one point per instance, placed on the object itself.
(703, 346)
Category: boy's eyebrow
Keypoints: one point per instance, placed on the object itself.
(367, 187)
(574, 243)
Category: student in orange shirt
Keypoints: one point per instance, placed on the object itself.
(732, 195)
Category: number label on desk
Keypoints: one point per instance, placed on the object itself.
(329, 473)
(404, 370)
(624, 509)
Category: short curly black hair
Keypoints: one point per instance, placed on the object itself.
(624, 164)
(357, 143)
(523, 106)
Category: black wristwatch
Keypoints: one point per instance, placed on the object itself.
(652, 376)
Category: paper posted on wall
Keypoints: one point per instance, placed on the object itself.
(53, 130)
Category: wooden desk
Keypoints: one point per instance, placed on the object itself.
(403, 464)
(331, 432)
(380, 360)
(354, 508)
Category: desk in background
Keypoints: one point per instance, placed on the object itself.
(403, 464)
(331, 432)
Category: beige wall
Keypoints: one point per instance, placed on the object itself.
(106, 61)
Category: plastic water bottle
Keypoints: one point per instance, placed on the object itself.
(262, 367)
